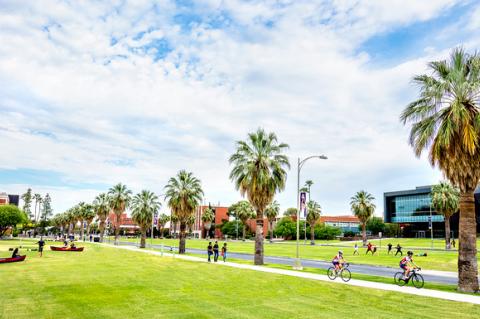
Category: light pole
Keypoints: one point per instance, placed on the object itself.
(298, 264)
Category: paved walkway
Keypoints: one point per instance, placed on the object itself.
(359, 283)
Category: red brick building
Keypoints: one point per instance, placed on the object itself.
(126, 223)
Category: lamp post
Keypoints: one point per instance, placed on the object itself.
(298, 264)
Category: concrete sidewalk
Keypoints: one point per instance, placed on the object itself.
(359, 283)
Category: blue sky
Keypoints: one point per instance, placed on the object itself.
(92, 94)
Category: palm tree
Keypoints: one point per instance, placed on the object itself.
(183, 194)
(272, 212)
(120, 197)
(38, 201)
(102, 207)
(244, 211)
(259, 172)
(190, 223)
(313, 215)
(144, 205)
(78, 217)
(363, 207)
(445, 122)
(445, 199)
(173, 224)
(308, 185)
(161, 221)
(88, 215)
(207, 218)
(291, 212)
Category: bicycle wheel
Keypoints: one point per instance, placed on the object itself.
(346, 274)
(331, 273)
(417, 281)
(398, 279)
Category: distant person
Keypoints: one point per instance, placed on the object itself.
(72, 245)
(91, 237)
(65, 243)
(399, 250)
(40, 243)
(224, 252)
(355, 249)
(209, 251)
(453, 243)
(215, 251)
(389, 247)
(374, 249)
(369, 248)
(15, 253)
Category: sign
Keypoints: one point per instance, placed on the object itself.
(303, 204)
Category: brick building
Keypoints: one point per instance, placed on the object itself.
(6, 199)
(126, 223)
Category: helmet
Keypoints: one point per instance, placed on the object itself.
(340, 252)
(409, 253)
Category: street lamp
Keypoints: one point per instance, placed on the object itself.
(298, 264)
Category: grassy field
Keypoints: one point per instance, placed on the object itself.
(436, 260)
(108, 283)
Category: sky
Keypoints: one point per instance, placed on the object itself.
(96, 93)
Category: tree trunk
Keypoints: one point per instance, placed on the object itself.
(447, 231)
(82, 230)
(364, 234)
(88, 229)
(117, 229)
(259, 240)
(102, 230)
(181, 244)
(143, 238)
(244, 230)
(312, 234)
(467, 244)
(271, 231)
(161, 231)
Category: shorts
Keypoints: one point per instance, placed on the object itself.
(404, 267)
(335, 263)
(40, 249)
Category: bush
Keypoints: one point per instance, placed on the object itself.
(391, 230)
(349, 233)
(375, 225)
(326, 232)
(230, 229)
(10, 216)
(286, 228)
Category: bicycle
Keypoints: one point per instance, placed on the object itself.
(343, 273)
(417, 279)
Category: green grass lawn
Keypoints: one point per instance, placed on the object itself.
(105, 282)
(436, 260)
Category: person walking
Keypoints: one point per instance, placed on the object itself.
(209, 251)
(40, 243)
(374, 249)
(224, 252)
(215, 251)
(355, 249)
(389, 247)
(369, 248)
(399, 250)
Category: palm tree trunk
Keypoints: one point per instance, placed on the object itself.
(244, 231)
(82, 230)
(102, 229)
(364, 234)
(181, 244)
(271, 231)
(447, 231)
(312, 234)
(88, 228)
(117, 229)
(467, 244)
(143, 238)
(161, 231)
(259, 240)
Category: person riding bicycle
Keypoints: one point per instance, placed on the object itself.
(406, 264)
(338, 261)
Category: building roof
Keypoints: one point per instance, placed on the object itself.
(343, 219)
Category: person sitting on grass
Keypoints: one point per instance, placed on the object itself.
(72, 245)
(407, 264)
(65, 243)
(338, 261)
(15, 253)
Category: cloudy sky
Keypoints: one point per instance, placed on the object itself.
(92, 94)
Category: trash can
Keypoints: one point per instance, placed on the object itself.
(96, 239)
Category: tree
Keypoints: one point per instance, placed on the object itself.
(88, 214)
(78, 215)
(190, 223)
(183, 194)
(308, 185)
(10, 216)
(313, 216)
(161, 221)
(173, 224)
(363, 207)
(102, 207)
(38, 201)
(286, 228)
(144, 205)
(259, 173)
(291, 212)
(27, 203)
(47, 208)
(445, 199)
(375, 225)
(120, 197)
(445, 122)
(244, 211)
(207, 218)
(272, 212)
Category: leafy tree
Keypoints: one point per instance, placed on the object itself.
(183, 194)
(120, 197)
(144, 205)
(286, 228)
(259, 173)
(47, 208)
(363, 207)
(272, 212)
(291, 212)
(445, 199)
(10, 216)
(391, 229)
(161, 221)
(230, 229)
(243, 211)
(207, 218)
(102, 207)
(27, 203)
(324, 232)
(445, 122)
(313, 216)
(38, 201)
(375, 225)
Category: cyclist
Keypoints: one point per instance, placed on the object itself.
(406, 264)
(338, 261)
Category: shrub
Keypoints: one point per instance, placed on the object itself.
(326, 232)
(286, 228)
(375, 225)
(349, 233)
(10, 216)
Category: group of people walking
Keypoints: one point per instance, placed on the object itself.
(214, 250)
(371, 248)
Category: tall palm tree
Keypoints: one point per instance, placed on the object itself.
(244, 211)
(207, 218)
(308, 185)
(161, 221)
(120, 197)
(271, 212)
(89, 215)
(313, 215)
(102, 207)
(144, 205)
(190, 223)
(183, 194)
(78, 217)
(173, 225)
(445, 199)
(259, 173)
(38, 201)
(445, 122)
(363, 207)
